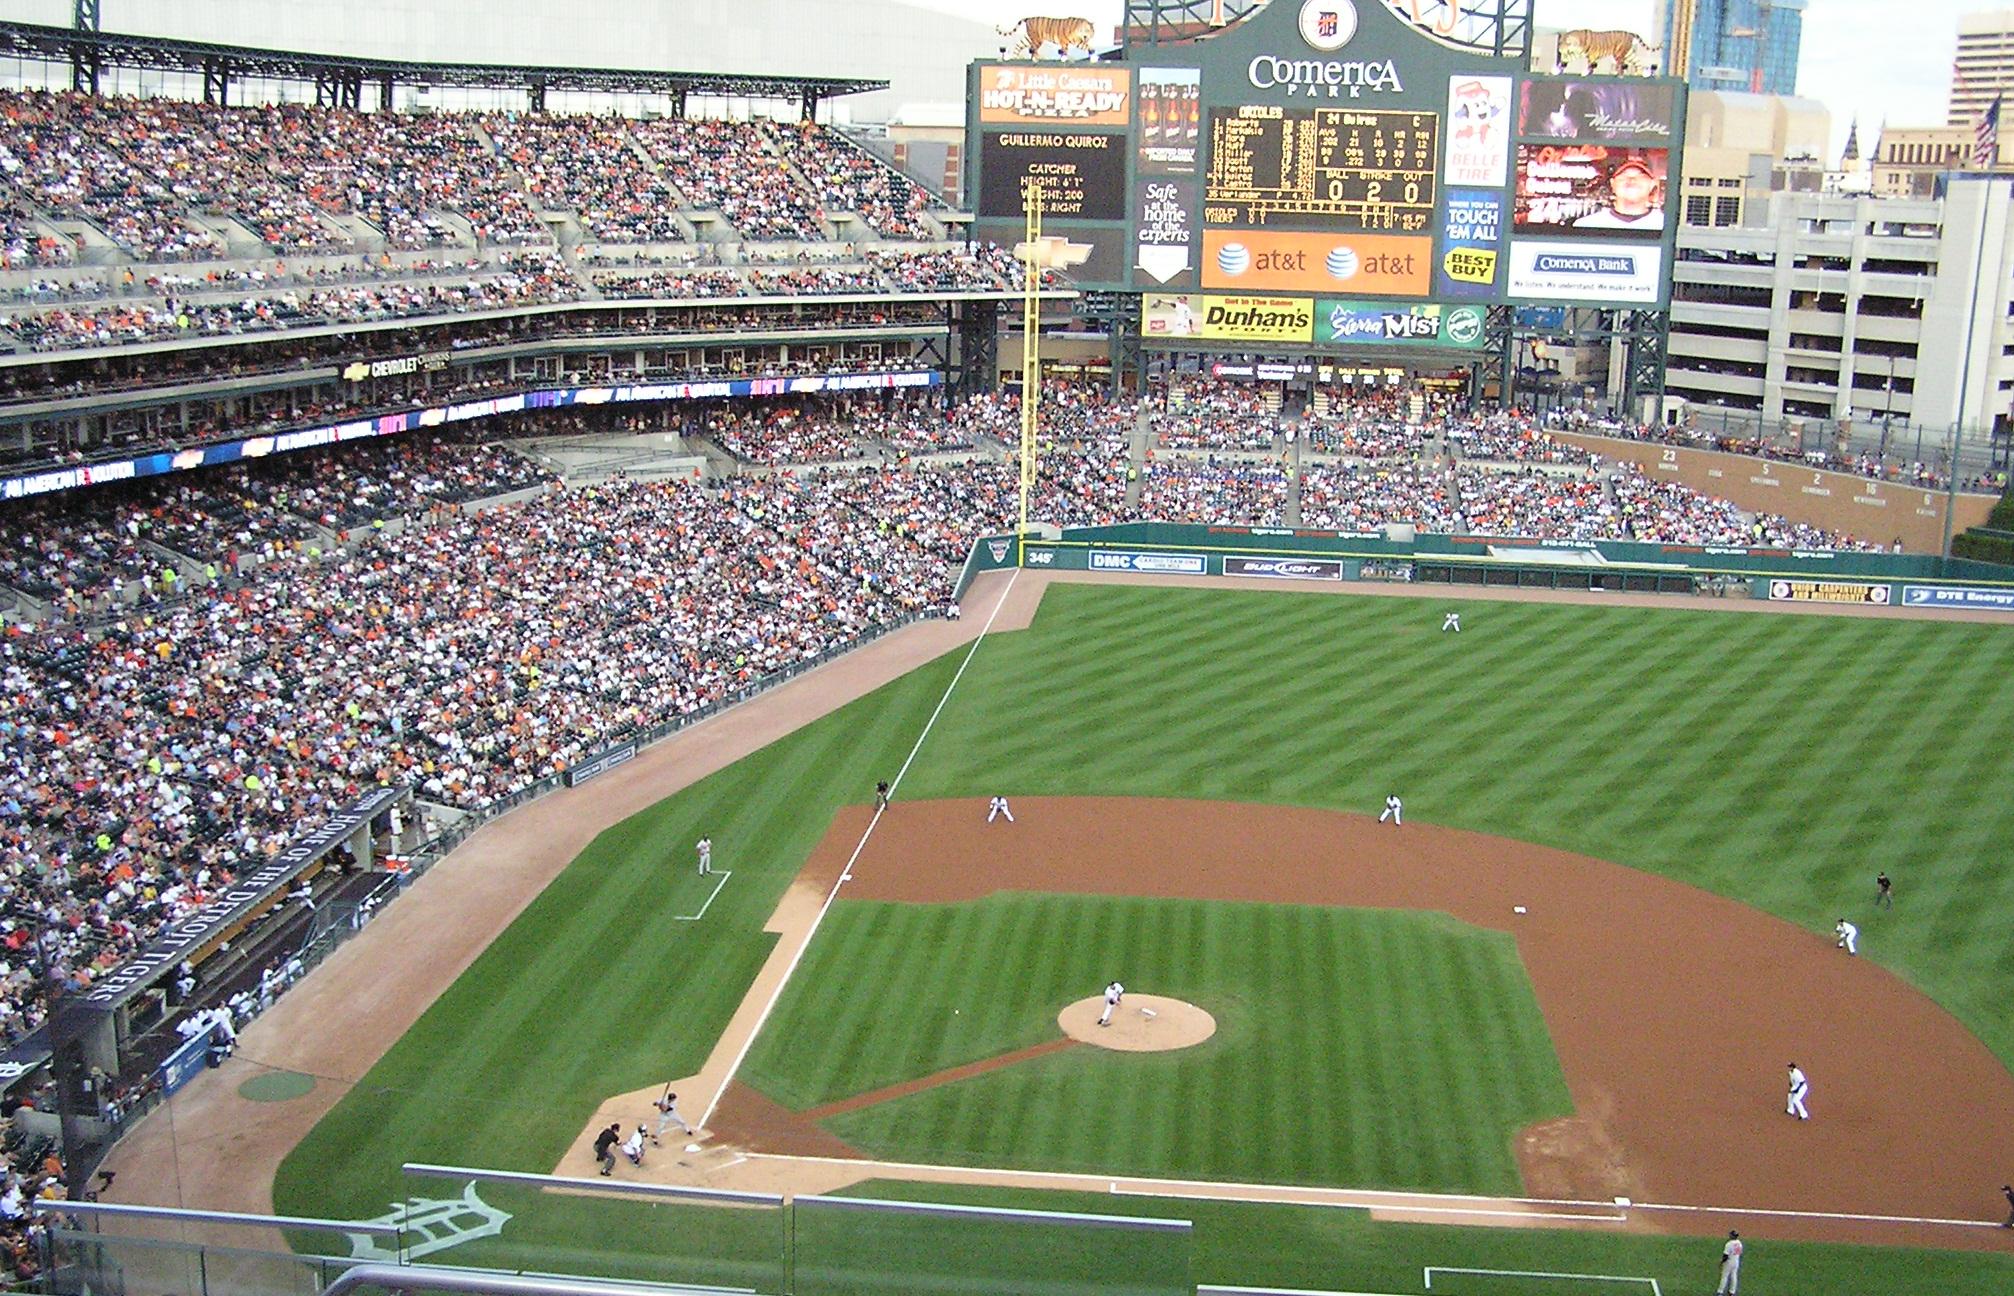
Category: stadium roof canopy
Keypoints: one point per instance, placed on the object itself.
(339, 78)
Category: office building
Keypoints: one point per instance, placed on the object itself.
(1853, 308)
(1740, 45)
(1984, 65)
(1743, 151)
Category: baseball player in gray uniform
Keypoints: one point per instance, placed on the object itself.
(1730, 1266)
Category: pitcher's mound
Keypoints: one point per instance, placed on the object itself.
(1142, 1023)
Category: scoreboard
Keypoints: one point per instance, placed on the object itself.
(1364, 167)
(1358, 169)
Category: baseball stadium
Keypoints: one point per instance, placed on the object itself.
(952, 653)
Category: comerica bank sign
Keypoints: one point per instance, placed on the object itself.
(1326, 26)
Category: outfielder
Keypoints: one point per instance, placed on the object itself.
(1394, 811)
(1799, 1089)
(1113, 994)
(667, 1114)
(996, 807)
(1730, 1266)
(705, 847)
(1849, 936)
(1453, 622)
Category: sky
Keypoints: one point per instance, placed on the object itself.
(1859, 57)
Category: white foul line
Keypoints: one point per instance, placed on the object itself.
(1431, 1270)
(726, 874)
(748, 1041)
(1393, 1201)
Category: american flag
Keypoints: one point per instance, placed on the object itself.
(1986, 136)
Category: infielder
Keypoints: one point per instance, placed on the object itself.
(705, 848)
(1394, 811)
(997, 807)
(1113, 994)
(1730, 1265)
(1453, 622)
(667, 1114)
(1849, 936)
(1799, 1089)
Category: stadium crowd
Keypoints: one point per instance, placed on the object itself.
(229, 655)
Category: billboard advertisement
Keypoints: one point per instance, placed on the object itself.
(1585, 272)
(1048, 94)
(1379, 265)
(1804, 591)
(1258, 319)
(1632, 111)
(1401, 323)
(1479, 130)
(1164, 225)
(1171, 120)
(1471, 234)
(1590, 189)
(1083, 177)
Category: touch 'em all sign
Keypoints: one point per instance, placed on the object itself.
(1337, 149)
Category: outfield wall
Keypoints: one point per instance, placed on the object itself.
(1877, 512)
(1816, 575)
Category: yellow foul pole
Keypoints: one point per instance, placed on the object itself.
(1031, 356)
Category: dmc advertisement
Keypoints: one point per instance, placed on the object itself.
(1019, 94)
(1380, 265)
(1581, 272)
(1590, 189)
(1399, 323)
(1083, 177)
(1471, 233)
(1171, 120)
(1258, 319)
(1479, 130)
(1607, 112)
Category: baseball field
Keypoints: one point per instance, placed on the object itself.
(1576, 973)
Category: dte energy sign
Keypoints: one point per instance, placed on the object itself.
(1377, 150)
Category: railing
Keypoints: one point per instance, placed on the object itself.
(485, 1231)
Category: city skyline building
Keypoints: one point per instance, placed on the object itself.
(1749, 46)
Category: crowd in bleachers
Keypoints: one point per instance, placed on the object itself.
(730, 166)
(1341, 497)
(525, 279)
(1903, 469)
(1215, 491)
(789, 432)
(175, 180)
(847, 179)
(1207, 414)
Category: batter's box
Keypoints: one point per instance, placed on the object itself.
(1447, 1280)
(722, 875)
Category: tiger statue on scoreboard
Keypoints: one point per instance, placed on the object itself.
(1626, 53)
(1066, 34)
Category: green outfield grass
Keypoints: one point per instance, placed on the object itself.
(1778, 759)
(1382, 1049)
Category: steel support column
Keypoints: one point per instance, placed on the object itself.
(1646, 339)
(976, 368)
